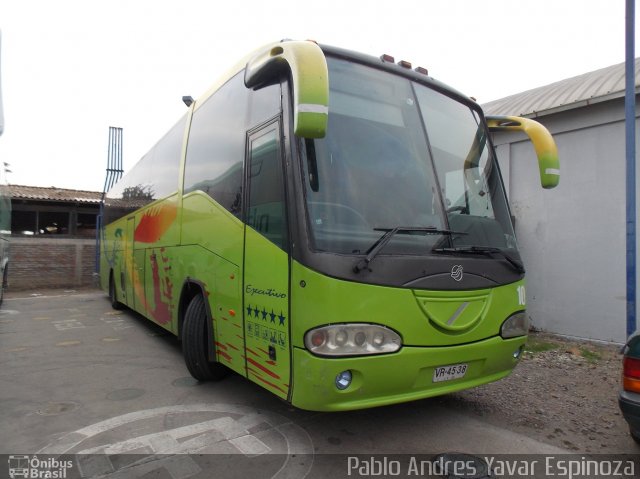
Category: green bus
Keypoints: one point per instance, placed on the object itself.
(330, 225)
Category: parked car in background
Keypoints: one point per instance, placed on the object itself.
(629, 398)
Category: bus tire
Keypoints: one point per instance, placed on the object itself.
(194, 343)
(113, 295)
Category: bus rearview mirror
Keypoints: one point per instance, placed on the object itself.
(310, 82)
(543, 144)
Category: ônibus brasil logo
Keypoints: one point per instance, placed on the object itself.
(456, 272)
(32, 467)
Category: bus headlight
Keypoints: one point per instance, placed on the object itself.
(516, 325)
(352, 340)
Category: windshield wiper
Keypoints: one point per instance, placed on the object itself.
(484, 250)
(381, 242)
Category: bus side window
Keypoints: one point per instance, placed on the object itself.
(264, 104)
(215, 149)
(266, 205)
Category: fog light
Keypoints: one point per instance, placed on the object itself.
(343, 380)
(517, 353)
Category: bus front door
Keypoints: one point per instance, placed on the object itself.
(266, 264)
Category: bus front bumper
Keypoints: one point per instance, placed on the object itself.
(399, 377)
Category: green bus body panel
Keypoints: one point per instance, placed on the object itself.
(223, 293)
(220, 281)
(156, 228)
(398, 377)
(134, 274)
(154, 271)
(438, 328)
(126, 275)
(420, 317)
(266, 313)
(159, 301)
(139, 250)
(206, 223)
(211, 256)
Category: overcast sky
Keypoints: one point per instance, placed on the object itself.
(72, 68)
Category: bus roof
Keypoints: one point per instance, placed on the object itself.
(395, 68)
(349, 55)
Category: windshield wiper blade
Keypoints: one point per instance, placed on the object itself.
(484, 250)
(381, 242)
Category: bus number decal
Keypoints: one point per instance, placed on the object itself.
(522, 298)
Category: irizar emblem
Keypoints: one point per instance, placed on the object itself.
(456, 272)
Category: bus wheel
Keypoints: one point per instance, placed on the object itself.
(194, 343)
(115, 304)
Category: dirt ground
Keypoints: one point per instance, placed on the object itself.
(563, 392)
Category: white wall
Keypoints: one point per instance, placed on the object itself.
(572, 238)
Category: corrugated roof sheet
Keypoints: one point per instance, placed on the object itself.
(52, 193)
(593, 87)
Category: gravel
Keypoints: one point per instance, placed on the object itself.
(563, 392)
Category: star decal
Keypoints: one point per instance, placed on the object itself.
(256, 312)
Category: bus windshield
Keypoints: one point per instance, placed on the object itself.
(398, 154)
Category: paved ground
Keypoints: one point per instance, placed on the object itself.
(77, 376)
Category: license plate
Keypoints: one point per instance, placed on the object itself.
(447, 373)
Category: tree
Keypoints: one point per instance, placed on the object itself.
(138, 192)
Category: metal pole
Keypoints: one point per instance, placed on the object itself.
(114, 173)
(630, 144)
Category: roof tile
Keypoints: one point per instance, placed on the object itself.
(52, 193)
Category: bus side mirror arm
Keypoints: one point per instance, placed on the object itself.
(310, 78)
(542, 140)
